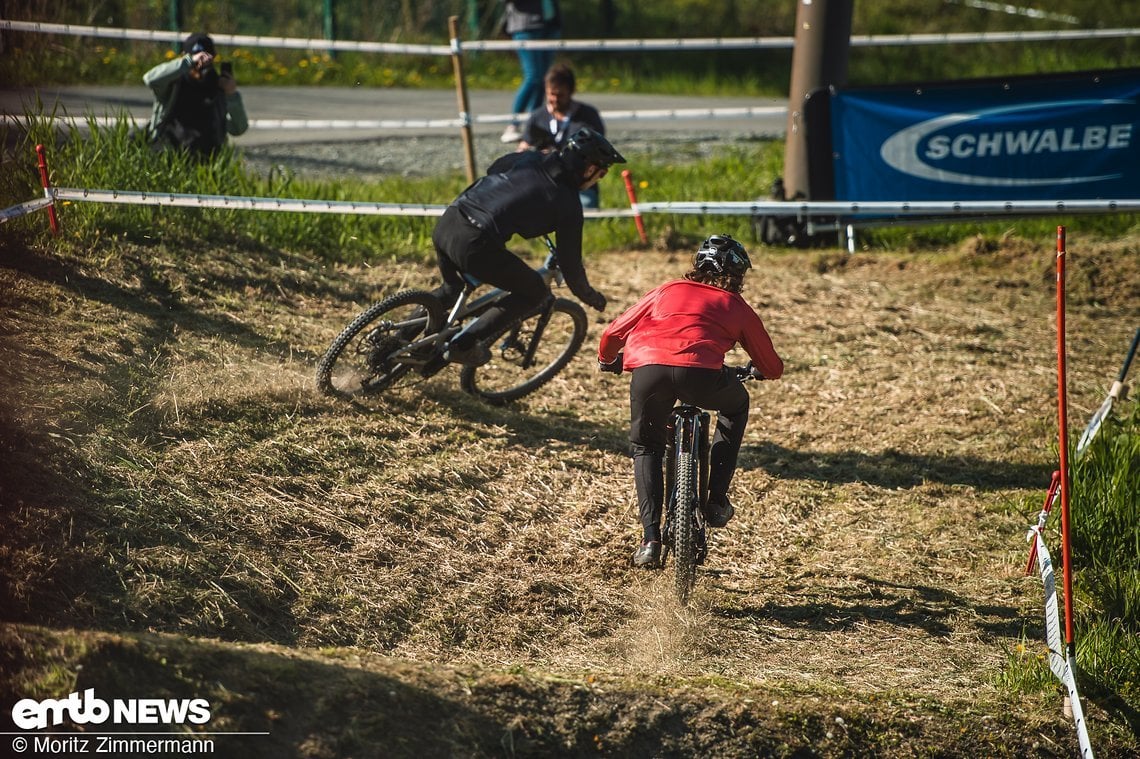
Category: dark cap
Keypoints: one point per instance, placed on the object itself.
(196, 43)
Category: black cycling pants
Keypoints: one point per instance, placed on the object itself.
(461, 247)
(653, 391)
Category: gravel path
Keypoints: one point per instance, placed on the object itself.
(369, 155)
(423, 155)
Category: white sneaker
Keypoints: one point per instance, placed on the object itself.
(511, 134)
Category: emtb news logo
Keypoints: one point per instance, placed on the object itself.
(88, 709)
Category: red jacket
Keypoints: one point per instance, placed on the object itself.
(683, 323)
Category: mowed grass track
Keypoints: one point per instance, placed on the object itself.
(181, 508)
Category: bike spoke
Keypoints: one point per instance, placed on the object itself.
(380, 347)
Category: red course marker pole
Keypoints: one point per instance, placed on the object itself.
(1063, 433)
(42, 160)
(628, 177)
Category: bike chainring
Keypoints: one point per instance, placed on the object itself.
(379, 350)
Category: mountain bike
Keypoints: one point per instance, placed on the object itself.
(685, 533)
(404, 337)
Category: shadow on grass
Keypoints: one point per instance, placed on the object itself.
(891, 469)
(161, 303)
(876, 601)
(532, 429)
(1113, 702)
(263, 703)
(70, 542)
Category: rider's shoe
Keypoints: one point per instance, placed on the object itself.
(477, 355)
(648, 555)
(718, 511)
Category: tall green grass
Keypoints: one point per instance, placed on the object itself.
(1105, 543)
(110, 158)
(1106, 555)
(101, 157)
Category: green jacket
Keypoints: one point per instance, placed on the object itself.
(223, 114)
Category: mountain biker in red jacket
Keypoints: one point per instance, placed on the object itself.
(674, 340)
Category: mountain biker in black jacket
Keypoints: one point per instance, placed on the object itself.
(528, 194)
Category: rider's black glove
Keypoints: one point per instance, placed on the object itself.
(613, 367)
(748, 371)
(595, 300)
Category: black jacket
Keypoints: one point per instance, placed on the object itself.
(531, 194)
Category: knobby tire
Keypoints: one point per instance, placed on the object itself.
(685, 505)
(366, 357)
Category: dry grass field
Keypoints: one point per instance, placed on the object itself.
(425, 574)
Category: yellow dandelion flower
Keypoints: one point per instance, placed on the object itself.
(643, 184)
(303, 63)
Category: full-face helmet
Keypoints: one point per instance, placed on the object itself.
(720, 254)
(586, 147)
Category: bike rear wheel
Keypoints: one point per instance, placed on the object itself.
(528, 354)
(685, 503)
(376, 350)
(684, 533)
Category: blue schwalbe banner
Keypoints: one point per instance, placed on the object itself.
(1072, 136)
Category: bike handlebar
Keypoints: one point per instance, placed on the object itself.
(747, 372)
(741, 373)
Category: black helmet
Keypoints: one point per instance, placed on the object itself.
(720, 254)
(589, 147)
(198, 42)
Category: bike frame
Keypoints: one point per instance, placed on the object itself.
(464, 308)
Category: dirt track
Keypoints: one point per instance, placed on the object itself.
(884, 489)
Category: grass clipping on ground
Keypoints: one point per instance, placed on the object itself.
(176, 488)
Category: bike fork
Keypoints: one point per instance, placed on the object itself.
(703, 437)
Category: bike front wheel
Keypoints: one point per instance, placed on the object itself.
(685, 503)
(528, 354)
(381, 345)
